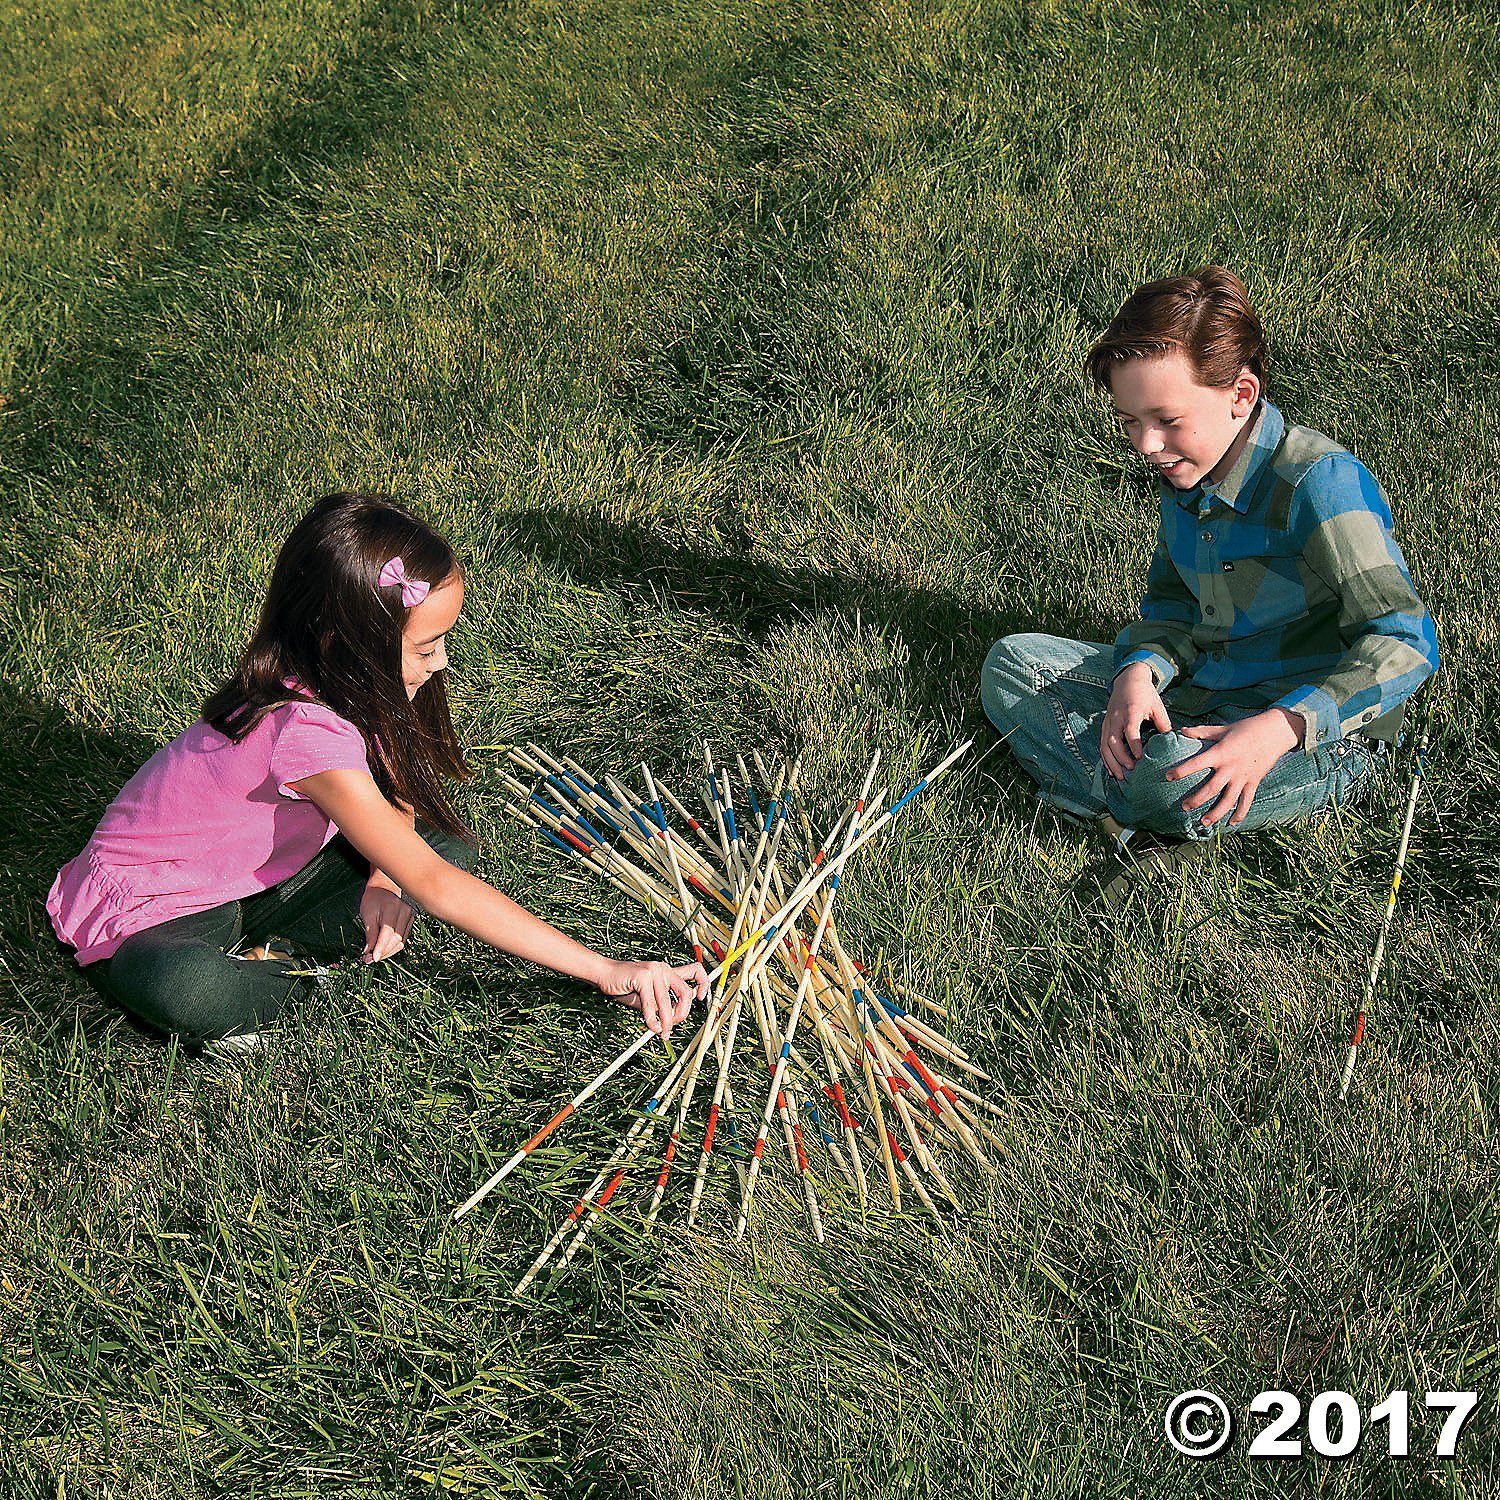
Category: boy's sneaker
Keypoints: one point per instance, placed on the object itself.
(239, 1044)
(1133, 854)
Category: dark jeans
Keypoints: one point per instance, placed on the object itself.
(179, 977)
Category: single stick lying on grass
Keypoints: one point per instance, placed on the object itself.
(1357, 1036)
(569, 1108)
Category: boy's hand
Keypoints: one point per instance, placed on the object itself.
(387, 920)
(662, 994)
(1133, 701)
(1239, 755)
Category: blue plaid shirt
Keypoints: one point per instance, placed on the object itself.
(1282, 586)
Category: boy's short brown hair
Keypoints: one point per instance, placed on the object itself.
(1206, 315)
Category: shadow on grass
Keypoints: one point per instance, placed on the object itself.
(754, 594)
(113, 385)
(55, 783)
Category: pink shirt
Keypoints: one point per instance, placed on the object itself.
(203, 822)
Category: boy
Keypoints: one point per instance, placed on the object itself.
(1279, 635)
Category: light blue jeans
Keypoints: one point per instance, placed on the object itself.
(1047, 696)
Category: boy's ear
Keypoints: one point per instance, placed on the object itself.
(1246, 392)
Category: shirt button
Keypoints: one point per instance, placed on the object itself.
(1208, 536)
(1208, 609)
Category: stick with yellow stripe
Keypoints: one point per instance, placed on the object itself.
(1390, 907)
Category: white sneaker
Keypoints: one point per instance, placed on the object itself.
(239, 1044)
(264, 951)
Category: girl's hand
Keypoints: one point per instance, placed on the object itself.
(1239, 755)
(1133, 701)
(387, 920)
(662, 994)
(400, 857)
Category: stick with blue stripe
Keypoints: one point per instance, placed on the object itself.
(690, 1082)
(850, 836)
(809, 885)
(756, 893)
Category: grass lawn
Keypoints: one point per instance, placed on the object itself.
(736, 344)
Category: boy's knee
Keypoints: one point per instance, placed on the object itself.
(1009, 674)
(1017, 656)
(1147, 799)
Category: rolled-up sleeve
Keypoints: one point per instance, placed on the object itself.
(315, 739)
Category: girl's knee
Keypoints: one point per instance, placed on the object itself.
(195, 990)
(463, 854)
(455, 850)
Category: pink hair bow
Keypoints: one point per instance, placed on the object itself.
(413, 590)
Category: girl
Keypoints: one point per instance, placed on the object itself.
(303, 816)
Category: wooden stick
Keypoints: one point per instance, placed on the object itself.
(1385, 925)
(569, 1108)
(769, 838)
(785, 1104)
(563, 1114)
(851, 833)
(815, 879)
(690, 1082)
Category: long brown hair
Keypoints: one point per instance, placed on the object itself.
(1207, 315)
(330, 631)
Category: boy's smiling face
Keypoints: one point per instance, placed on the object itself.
(1186, 431)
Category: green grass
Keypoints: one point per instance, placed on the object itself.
(737, 347)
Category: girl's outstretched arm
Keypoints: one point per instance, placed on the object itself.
(351, 799)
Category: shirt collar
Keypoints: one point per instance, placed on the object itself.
(1238, 485)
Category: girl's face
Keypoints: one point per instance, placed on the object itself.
(1184, 430)
(424, 636)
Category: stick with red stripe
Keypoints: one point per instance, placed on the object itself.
(850, 835)
(813, 880)
(842, 1046)
(624, 1153)
(765, 851)
(1385, 926)
(691, 1081)
(570, 1108)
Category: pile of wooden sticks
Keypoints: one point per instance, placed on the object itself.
(754, 889)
